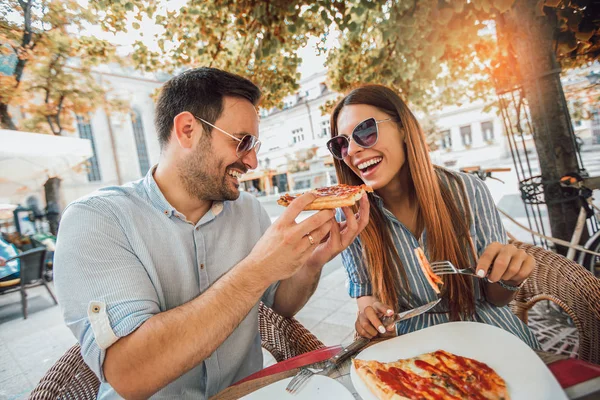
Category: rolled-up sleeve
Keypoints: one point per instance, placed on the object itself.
(96, 273)
(488, 223)
(358, 283)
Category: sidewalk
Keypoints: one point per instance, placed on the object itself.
(29, 347)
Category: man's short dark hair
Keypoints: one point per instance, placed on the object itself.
(199, 91)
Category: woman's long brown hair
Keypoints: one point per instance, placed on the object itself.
(447, 228)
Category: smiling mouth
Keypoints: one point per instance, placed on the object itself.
(368, 165)
(235, 174)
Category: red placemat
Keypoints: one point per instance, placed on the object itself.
(295, 362)
(571, 372)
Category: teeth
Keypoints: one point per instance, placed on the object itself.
(372, 161)
(235, 174)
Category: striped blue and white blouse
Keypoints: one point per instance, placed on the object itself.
(486, 228)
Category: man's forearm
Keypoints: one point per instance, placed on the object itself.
(497, 295)
(293, 293)
(173, 342)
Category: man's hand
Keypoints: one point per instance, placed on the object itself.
(341, 235)
(2, 261)
(286, 245)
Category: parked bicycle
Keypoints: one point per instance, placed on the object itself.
(587, 255)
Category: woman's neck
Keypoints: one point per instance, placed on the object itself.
(400, 198)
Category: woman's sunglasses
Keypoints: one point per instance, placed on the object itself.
(245, 144)
(365, 134)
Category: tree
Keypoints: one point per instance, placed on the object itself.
(541, 38)
(433, 52)
(52, 79)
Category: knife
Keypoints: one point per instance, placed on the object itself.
(387, 321)
(361, 342)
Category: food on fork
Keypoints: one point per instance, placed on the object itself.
(330, 197)
(431, 277)
(429, 376)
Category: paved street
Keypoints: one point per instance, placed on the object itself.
(29, 347)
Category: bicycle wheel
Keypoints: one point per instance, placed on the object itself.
(590, 261)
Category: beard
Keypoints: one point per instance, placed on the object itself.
(206, 178)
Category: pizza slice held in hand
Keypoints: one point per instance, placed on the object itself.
(330, 197)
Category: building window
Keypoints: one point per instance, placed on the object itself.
(487, 129)
(466, 137)
(446, 140)
(596, 126)
(140, 141)
(298, 135)
(325, 129)
(85, 132)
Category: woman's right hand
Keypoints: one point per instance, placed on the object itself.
(368, 324)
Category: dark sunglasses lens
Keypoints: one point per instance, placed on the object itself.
(365, 134)
(338, 146)
(246, 144)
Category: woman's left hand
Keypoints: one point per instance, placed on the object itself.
(505, 262)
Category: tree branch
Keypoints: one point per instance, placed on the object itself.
(59, 110)
(27, 37)
(218, 50)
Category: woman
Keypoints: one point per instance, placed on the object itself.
(376, 140)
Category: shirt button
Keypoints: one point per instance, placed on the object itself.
(96, 309)
(201, 266)
(166, 212)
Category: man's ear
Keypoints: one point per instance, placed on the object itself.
(184, 125)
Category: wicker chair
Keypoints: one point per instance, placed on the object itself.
(571, 287)
(284, 337)
(70, 378)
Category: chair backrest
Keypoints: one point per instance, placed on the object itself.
(32, 265)
(69, 378)
(569, 285)
(284, 337)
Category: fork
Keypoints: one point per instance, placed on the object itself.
(446, 267)
(306, 372)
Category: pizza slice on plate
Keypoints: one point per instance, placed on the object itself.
(432, 376)
(330, 197)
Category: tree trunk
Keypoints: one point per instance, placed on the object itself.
(532, 40)
(52, 192)
(6, 121)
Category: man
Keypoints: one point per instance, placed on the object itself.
(160, 279)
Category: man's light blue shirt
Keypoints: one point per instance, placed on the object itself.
(133, 255)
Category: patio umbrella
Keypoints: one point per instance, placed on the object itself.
(28, 159)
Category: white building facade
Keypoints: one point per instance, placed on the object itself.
(124, 144)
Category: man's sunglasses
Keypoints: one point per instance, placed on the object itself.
(365, 134)
(245, 144)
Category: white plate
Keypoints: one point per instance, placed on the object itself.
(525, 374)
(318, 387)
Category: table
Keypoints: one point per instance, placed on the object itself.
(580, 380)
